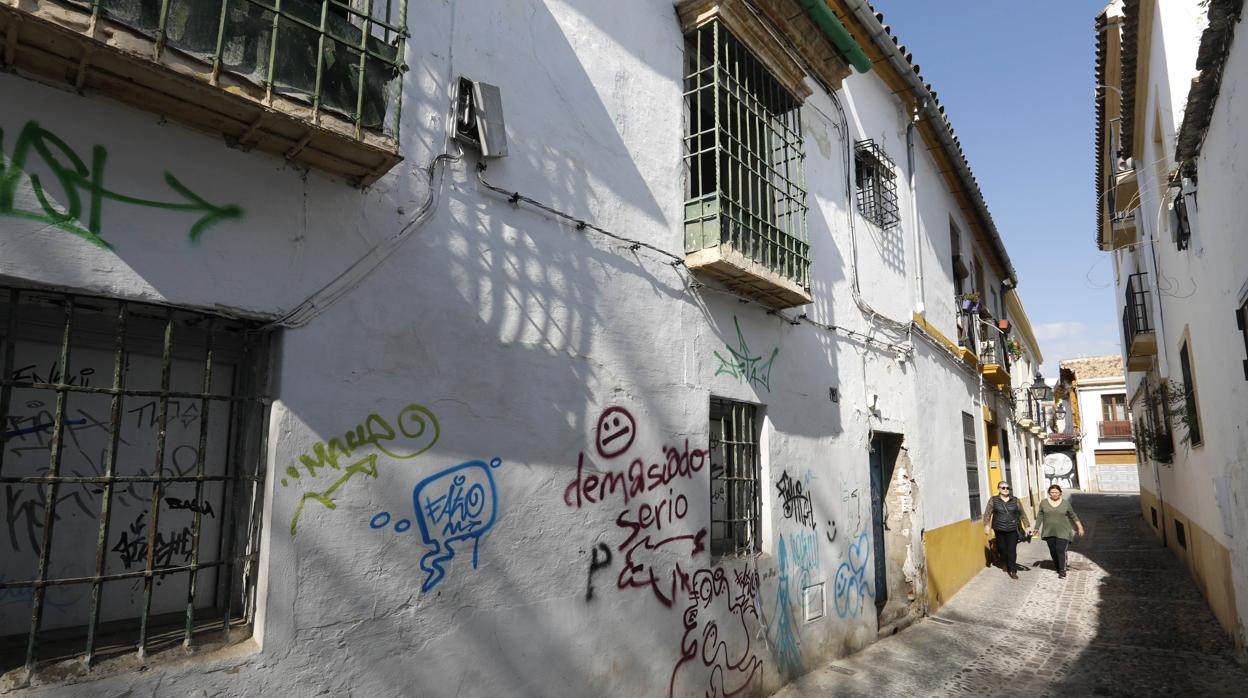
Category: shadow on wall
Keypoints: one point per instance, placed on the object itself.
(496, 319)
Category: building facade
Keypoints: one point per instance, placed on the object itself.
(1105, 454)
(1169, 198)
(523, 348)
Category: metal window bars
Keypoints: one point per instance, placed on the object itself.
(736, 502)
(168, 451)
(340, 57)
(743, 156)
(876, 180)
(1135, 311)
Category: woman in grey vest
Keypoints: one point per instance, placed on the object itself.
(1005, 517)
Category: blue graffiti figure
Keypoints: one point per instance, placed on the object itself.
(457, 504)
(788, 656)
(850, 584)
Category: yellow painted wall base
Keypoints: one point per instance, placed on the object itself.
(1210, 565)
(955, 554)
(1207, 560)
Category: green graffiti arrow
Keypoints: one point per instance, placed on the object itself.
(75, 178)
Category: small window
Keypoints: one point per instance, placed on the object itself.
(130, 460)
(971, 451)
(1192, 416)
(736, 505)
(876, 179)
(1241, 321)
(1154, 509)
(1114, 407)
(1180, 534)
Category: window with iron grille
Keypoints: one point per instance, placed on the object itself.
(876, 179)
(736, 505)
(1191, 417)
(743, 156)
(130, 439)
(971, 451)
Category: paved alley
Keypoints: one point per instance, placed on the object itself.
(1127, 621)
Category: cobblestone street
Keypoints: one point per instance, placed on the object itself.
(1127, 621)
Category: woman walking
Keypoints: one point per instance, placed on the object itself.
(1059, 523)
(1005, 517)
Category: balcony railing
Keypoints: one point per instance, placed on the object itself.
(315, 81)
(1137, 327)
(1115, 429)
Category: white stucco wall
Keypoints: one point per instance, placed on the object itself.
(517, 332)
(1200, 288)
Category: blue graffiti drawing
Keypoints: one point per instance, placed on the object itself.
(788, 657)
(457, 504)
(804, 547)
(740, 365)
(850, 584)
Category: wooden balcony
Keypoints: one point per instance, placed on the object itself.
(219, 68)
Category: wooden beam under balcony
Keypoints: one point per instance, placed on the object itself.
(745, 276)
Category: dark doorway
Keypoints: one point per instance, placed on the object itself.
(884, 449)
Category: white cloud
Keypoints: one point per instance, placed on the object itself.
(1060, 341)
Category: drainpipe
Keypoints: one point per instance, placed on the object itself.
(920, 306)
(837, 34)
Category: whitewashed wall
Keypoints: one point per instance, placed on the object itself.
(517, 333)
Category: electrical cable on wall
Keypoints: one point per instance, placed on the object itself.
(347, 280)
(678, 262)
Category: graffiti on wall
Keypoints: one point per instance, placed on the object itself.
(83, 189)
(600, 557)
(415, 430)
(786, 653)
(795, 499)
(452, 506)
(804, 552)
(850, 585)
(743, 365)
(728, 655)
(652, 506)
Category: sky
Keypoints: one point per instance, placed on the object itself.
(1016, 80)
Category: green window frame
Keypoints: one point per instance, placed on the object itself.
(744, 156)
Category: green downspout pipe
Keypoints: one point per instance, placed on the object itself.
(837, 34)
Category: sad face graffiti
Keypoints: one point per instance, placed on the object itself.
(615, 432)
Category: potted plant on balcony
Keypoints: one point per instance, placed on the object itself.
(1014, 348)
(969, 303)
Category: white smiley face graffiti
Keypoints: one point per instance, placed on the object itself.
(615, 432)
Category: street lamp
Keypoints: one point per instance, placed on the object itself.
(1040, 390)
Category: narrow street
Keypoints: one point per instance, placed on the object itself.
(1127, 621)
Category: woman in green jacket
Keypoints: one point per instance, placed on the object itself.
(1059, 524)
